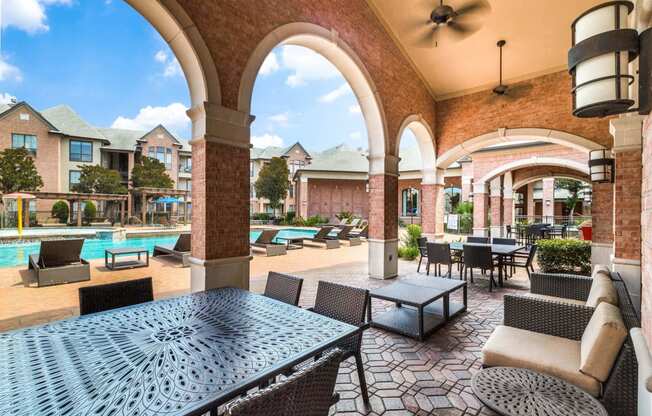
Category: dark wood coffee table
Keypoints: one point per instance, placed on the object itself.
(125, 264)
(422, 305)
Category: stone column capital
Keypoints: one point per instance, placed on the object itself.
(219, 124)
(627, 133)
(383, 165)
(480, 188)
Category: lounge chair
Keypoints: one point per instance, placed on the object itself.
(364, 233)
(354, 222)
(338, 222)
(322, 238)
(344, 234)
(59, 261)
(266, 242)
(180, 250)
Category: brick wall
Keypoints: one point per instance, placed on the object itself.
(233, 28)
(383, 223)
(329, 197)
(646, 230)
(159, 137)
(627, 225)
(601, 212)
(546, 105)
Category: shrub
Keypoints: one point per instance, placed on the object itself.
(299, 221)
(89, 211)
(289, 216)
(408, 253)
(564, 256)
(315, 220)
(60, 210)
(261, 216)
(409, 239)
(348, 215)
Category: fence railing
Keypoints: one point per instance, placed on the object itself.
(568, 220)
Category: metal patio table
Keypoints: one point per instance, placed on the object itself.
(500, 250)
(292, 243)
(178, 356)
(125, 264)
(422, 305)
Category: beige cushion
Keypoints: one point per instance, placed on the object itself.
(600, 268)
(601, 341)
(555, 299)
(602, 290)
(556, 356)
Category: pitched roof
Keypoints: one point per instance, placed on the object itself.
(267, 152)
(70, 123)
(340, 158)
(121, 139)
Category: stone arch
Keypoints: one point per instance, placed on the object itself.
(183, 37)
(426, 143)
(535, 161)
(522, 183)
(515, 135)
(328, 44)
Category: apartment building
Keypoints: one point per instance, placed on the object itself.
(61, 142)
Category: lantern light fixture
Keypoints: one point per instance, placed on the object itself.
(601, 166)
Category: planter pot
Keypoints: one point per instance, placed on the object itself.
(587, 233)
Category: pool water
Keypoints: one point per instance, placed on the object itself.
(17, 254)
(288, 233)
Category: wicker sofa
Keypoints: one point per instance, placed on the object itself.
(561, 325)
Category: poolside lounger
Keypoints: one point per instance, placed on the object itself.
(354, 222)
(364, 233)
(266, 242)
(344, 234)
(180, 250)
(59, 261)
(322, 238)
(337, 222)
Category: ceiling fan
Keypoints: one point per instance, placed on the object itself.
(502, 90)
(457, 21)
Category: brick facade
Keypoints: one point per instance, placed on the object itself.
(383, 222)
(627, 193)
(329, 197)
(602, 213)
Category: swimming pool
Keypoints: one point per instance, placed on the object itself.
(17, 254)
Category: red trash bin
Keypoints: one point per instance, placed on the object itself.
(587, 233)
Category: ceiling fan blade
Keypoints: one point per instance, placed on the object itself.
(461, 30)
(426, 39)
(478, 6)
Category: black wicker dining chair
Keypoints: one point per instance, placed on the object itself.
(423, 252)
(479, 257)
(524, 262)
(307, 392)
(100, 298)
(438, 254)
(283, 287)
(477, 240)
(347, 304)
(506, 242)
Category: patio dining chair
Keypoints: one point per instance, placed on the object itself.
(524, 262)
(477, 240)
(283, 287)
(347, 304)
(438, 254)
(307, 392)
(101, 298)
(506, 242)
(479, 257)
(423, 251)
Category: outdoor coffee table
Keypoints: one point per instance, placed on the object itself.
(422, 305)
(125, 264)
(522, 392)
(292, 243)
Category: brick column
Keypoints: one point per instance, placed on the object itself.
(432, 205)
(530, 201)
(508, 200)
(467, 180)
(383, 221)
(480, 207)
(627, 133)
(548, 200)
(302, 202)
(646, 230)
(220, 194)
(495, 188)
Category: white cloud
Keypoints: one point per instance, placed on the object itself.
(338, 92)
(9, 72)
(161, 56)
(270, 64)
(266, 140)
(172, 69)
(173, 117)
(6, 98)
(280, 119)
(306, 65)
(355, 109)
(356, 135)
(28, 15)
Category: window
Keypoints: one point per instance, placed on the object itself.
(410, 202)
(73, 177)
(28, 141)
(168, 158)
(162, 154)
(81, 151)
(251, 169)
(295, 165)
(24, 116)
(185, 165)
(291, 190)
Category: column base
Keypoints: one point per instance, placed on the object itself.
(481, 232)
(496, 231)
(383, 258)
(212, 274)
(630, 271)
(601, 253)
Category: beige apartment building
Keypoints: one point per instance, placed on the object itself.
(61, 142)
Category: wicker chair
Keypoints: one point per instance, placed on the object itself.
(423, 252)
(477, 240)
(620, 391)
(480, 257)
(283, 287)
(513, 262)
(438, 254)
(347, 304)
(308, 392)
(114, 295)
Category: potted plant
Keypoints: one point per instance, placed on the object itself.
(586, 230)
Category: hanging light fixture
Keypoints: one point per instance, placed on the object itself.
(601, 166)
(599, 60)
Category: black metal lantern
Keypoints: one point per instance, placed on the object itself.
(599, 60)
(601, 166)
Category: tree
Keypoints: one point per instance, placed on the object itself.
(573, 187)
(89, 211)
(96, 179)
(273, 183)
(18, 171)
(60, 210)
(150, 173)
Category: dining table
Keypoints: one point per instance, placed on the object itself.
(178, 356)
(499, 250)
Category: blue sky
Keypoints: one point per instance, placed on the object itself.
(109, 64)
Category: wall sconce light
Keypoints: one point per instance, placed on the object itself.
(601, 166)
(547, 202)
(599, 60)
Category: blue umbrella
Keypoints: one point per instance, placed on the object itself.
(167, 200)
